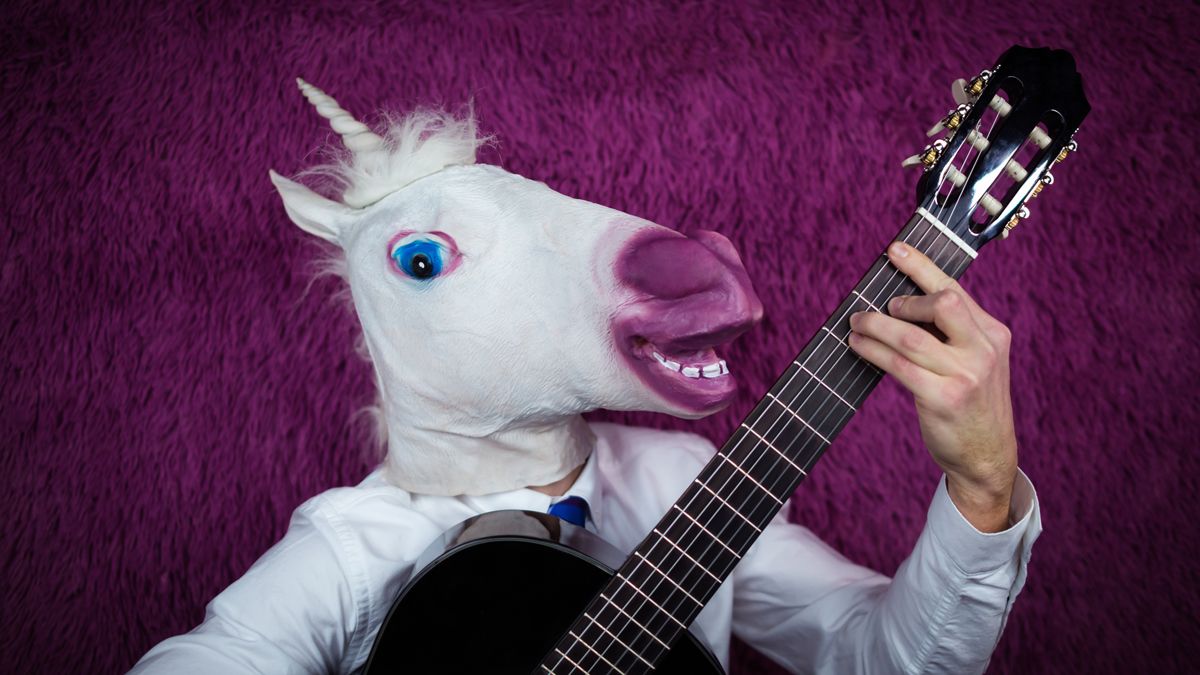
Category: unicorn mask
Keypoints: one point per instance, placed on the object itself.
(496, 310)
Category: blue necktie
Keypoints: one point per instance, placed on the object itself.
(573, 509)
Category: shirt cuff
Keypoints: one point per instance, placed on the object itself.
(976, 552)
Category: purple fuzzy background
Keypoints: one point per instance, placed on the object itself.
(170, 393)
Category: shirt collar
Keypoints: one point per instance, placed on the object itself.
(586, 486)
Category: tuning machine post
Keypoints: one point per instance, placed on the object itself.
(1021, 214)
(1046, 181)
(1070, 147)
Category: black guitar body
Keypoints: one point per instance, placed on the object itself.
(495, 593)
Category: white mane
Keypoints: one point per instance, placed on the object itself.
(415, 145)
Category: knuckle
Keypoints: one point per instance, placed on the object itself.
(1000, 334)
(952, 394)
(956, 392)
(947, 301)
(912, 340)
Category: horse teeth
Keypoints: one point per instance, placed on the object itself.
(672, 365)
(710, 371)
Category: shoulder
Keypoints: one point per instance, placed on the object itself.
(371, 516)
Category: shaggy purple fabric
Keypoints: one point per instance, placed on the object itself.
(171, 392)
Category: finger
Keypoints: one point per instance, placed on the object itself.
(919, 381)
(930, 278)
(946, 310)
(912, 342)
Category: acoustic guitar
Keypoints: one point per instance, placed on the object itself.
(478, 601)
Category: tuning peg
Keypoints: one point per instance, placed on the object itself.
(959, 90)
(1020, 215)
(952, 121)
(1070, 147)
(927, 157)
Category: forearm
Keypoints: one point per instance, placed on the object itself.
(814, 611)
(951, 598)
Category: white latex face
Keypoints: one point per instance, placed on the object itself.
(486, 300)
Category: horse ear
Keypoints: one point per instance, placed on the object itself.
(312, 212)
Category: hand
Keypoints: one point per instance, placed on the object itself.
(960, 384)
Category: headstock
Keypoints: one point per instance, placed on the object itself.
(1011, 125)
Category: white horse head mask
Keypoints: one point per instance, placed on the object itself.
(496, 310)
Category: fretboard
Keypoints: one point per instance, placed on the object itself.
(673, 572)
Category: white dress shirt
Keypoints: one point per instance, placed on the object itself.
(315, 600)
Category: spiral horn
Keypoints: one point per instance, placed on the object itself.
(356, 135)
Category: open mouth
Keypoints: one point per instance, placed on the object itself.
(688, 296)
(695, 364)
(688, 373)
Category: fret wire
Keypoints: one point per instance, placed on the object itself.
(797, 416)
(730, 542)
(822, 381)
(833, 365)
(864, 299)
(706, 531)
(570, 660)
(581, 641)
(752, 479)
(647, 614)
(738, 493)
(637, 589)
(612, 620)
(645, 630)
(802, 403)
(695, 576)
(668, 578)
(729, 506)
(772, 447)
(684, 553)
(618, 640)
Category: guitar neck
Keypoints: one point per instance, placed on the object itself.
(676, 569)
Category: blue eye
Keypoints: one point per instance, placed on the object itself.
(421, 259)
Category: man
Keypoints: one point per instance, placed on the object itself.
(495, 310)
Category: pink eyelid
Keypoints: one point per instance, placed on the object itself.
(455, 256)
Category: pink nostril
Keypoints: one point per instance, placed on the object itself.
(668, 265)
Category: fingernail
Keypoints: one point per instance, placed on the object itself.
(853, 338)
(899, 250)
(895, 303)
